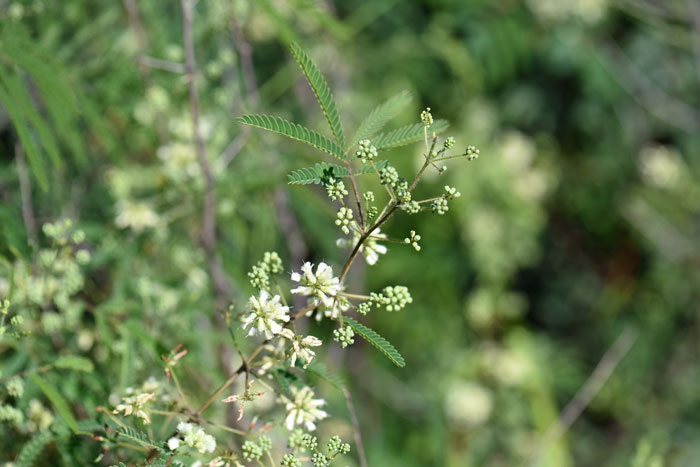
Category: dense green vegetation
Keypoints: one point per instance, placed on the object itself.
(554, 316)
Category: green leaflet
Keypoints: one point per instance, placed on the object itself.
(379, 117)
(56, 399)
(377, 341)
(323, 93)
(138, 437)
(316, 173)
(25, 138)
(17, 89)
(294, 131)
(407, 134)
(318, 370)
(75, 363)
(31, 450)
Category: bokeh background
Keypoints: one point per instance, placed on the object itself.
(576, 237)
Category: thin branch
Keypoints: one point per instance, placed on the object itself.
(694, 14)
(135, 24)
(222, 288)
(647, 94)
(25, 191)
(152, 62)
(588, 391)
(355, 428)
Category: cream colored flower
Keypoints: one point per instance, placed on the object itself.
(304, 409)
(322, 286)
(265, 315)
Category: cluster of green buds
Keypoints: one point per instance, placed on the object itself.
(389, 176)
(364, 308)
(413, 240)
(392, 298)
(471, 153)
(367, 152)
(260, 273)
(371, 208)
(255, 450)
(334, 448)
(426, 117)
(439, 206)
(336, 189)
(344, 335)
(344, 219)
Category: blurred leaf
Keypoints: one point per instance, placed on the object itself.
(56, 399)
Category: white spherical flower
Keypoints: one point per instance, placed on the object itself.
(304, 409)
(322, 286)
(468, 403)
(195, 437)
(173, 443)
(136, 215)
(370, 249)
(265, 314)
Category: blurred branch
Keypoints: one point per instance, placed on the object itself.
(151, 62)
(25, 190)
(675, 246)
(647, 94)
(694, 14)
(593, 385)
(135, 24)
(355, 428)
(222, 288)
(285, 216)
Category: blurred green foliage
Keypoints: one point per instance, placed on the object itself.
(580, 220)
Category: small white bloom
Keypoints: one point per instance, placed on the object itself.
(173, 443)
(264, 315)
(136, 216)
(135, 405)
(370, 249)
(300, 347)
(194, 436)
(304, 409)
(322, 286)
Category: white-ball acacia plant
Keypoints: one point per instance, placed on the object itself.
(268, 317)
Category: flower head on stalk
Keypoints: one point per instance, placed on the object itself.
(265, 315)
(304, 409)
(322, 286)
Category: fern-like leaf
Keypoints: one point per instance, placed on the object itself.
(16, 87)
(294, 131)
(318, 370)
(25, 137)
(377, 341)
(323, 93)
(407, 134)
(379, 117)
(317, 173)
(138, 437)
(32, 449)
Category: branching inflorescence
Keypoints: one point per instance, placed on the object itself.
(268, 315)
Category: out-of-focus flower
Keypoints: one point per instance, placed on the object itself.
(136, 216)
(195, 437)
(304, 409)
(468, 403)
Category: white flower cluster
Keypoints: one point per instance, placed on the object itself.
(265, 315)
(193, 436)
(322, 286)
(304, 409)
